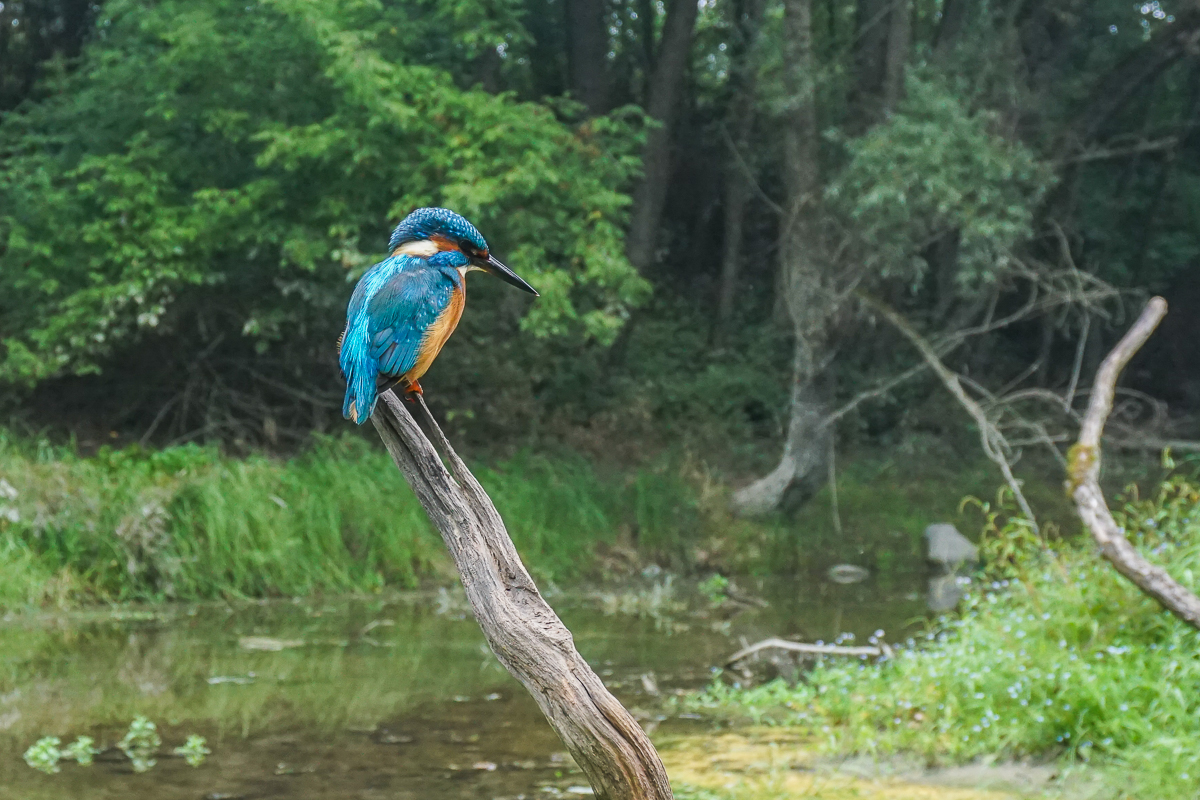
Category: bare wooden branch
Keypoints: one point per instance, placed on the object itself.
(1107, 153)
(807, 649)
(523, 631)
(1085, 478)
(990, 437)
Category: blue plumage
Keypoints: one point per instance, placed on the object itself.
(405, 307)
(425, 223)
(392, 308)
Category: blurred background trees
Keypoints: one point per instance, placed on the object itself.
(702, 192)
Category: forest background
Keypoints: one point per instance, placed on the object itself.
(755, 227)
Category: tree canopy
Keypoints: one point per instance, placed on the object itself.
(187, 190)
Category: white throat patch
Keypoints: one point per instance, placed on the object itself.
(423, 248)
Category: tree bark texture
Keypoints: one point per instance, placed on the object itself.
(662, 104)
(1085, 478)
(898, 43)
(523, 631)
(737, 169)
(870, 60)
(587, 53)
(802, 279)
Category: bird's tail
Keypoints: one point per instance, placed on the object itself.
(361, 372)
(360, 395)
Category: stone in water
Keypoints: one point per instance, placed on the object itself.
(847, 573)
(948, 546)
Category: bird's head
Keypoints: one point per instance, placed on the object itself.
(428, 231)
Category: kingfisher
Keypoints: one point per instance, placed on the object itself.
(405, 307)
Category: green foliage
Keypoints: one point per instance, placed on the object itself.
(193, 750)
(82, 750)
(140, 744)
(186, 522)
(189, 523)
(934, 169)
(1065, 657)
(44, 755)
(216, 168)
(713, 588)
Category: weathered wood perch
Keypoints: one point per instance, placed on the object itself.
(1084, 478)
(523, 631)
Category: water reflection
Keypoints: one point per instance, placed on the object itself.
(395, 697)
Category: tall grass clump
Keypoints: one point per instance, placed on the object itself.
(1058, 655)
(188, 522)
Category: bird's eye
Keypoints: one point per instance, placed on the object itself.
(470, 249)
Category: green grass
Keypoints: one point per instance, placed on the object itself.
(189, 523)
(1057, 656)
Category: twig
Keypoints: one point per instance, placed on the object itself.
(877, 391)
(1084, 477)
(810, 649)
(748, 173)
(1077, 367)
(1103, 154)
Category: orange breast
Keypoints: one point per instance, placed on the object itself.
(435, 338)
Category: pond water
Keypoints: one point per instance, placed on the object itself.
(392, 697)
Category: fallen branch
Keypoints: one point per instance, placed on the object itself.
(523, 631)
(1084, 477)
(808, 649)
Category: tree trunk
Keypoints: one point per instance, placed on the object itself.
(949, 30)
(662, 103)
(737, 181)
(802, 280)
(587, 53)
(898, 43)
(523, 631)
(870, 62)
(737, 192)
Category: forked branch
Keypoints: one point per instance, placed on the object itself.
(523, 631)
(1084, 485)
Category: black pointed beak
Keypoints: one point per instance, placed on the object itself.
(492, 264)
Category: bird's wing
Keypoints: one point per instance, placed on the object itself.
(399, 315)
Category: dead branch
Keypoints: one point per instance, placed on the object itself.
(1084, 478)
(994, 445)
(1108, 153)
(808, 649)
(523, 631)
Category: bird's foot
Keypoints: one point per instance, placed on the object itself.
(411, 391)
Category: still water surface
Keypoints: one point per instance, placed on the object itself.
(370, 698)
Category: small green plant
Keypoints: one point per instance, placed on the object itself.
(714, 589)
(141, 743)
(193, 750)
(82, 750)
(44, 755)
